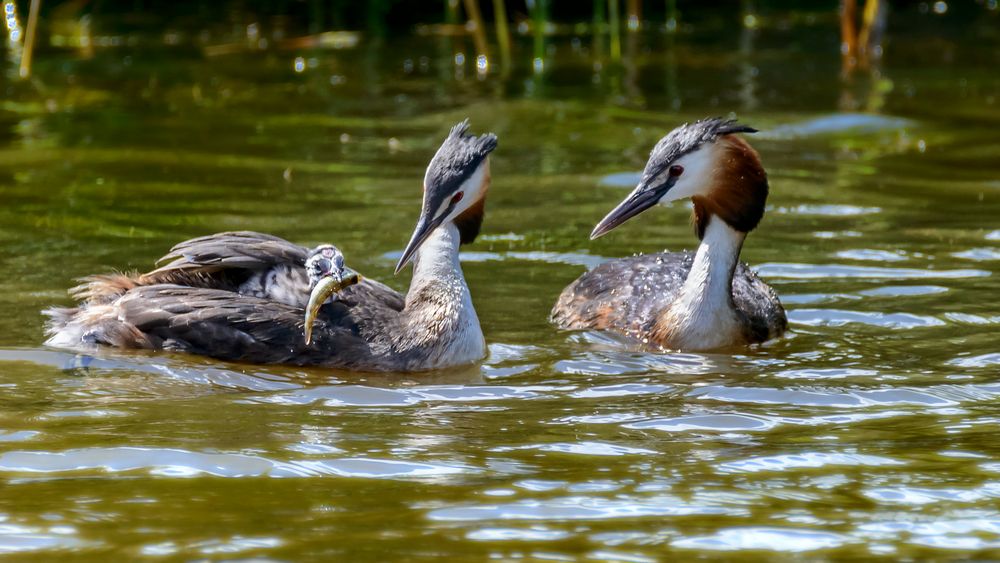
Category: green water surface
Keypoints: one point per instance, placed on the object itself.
(869, 431)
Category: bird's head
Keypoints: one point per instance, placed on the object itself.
(704, 161)
(455, 187)
(324, 260)
(327, 276)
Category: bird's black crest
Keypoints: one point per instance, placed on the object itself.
(459, 156)
(687, 138)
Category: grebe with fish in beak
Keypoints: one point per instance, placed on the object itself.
(257, 298)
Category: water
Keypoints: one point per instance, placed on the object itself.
(869, 430)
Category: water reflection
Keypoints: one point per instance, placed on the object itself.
(574, 508)
(181, 463)
(791, 540)
(868, 431)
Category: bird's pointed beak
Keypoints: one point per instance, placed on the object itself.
(425, 226)
(642, 198)
(326, 286)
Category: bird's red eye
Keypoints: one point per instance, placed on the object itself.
(676, 170)
(457, 198)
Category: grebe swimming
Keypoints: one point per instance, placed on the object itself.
(242, 295)
(681, 300)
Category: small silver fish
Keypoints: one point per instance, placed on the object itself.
(325, 287)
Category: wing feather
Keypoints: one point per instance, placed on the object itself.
(212, 322)
(235, 296)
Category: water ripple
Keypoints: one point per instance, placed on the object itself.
(867, 254)
(918, 495)
(804, 460)
(793, 540)
(856, 123)
(258, 379)
(365, 396)
(936, 396)
(579, 448)
(623, 390)
(516, 534)
(575, 508)
(982, 361)
(740, 422)
(17, 435)
(826, 271)
(16, 538)
(618, 362)
(715, 422)
(840, 317)
(903, 290)
(235, 544)
(826, 373)
(978, 254)
(938, 533)
(183, 463)
(830, 210)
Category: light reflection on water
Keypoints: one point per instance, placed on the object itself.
(181, 463)
(869, 430)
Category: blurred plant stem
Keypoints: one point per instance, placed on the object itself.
(478, 33)
(633, 16)
(503, 33)
(614, 21)
(747, 73)
(451, 11)
(673, 92)
(672, 16)
(600, 12)
(29, 39)
(316, 17)
(539, 18)
(376, 11)
(861, 47)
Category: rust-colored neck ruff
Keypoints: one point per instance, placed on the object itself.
(471, 220)
(739, 188)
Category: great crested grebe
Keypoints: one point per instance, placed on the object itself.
(682, 300)
(242, 296)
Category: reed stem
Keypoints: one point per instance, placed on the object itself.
(503, 33)
(451, 11)
(672, 17)
(600, 13)
(633, 16)
(868, 18)
(614, 20)
(538, 23)
(478, 34)
(29, 39)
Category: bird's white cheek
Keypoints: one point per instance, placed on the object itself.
(684, 188)
(697, 177)
(473, 189)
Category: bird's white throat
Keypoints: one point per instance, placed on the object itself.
(703, 316)
(437, 257)
(437, 271)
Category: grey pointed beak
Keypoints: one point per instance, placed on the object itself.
(423, 230)
(641, 199)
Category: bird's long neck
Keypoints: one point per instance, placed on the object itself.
(440, 322)
(437, 261)
(703, 314)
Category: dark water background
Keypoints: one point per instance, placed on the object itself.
(869, 431)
